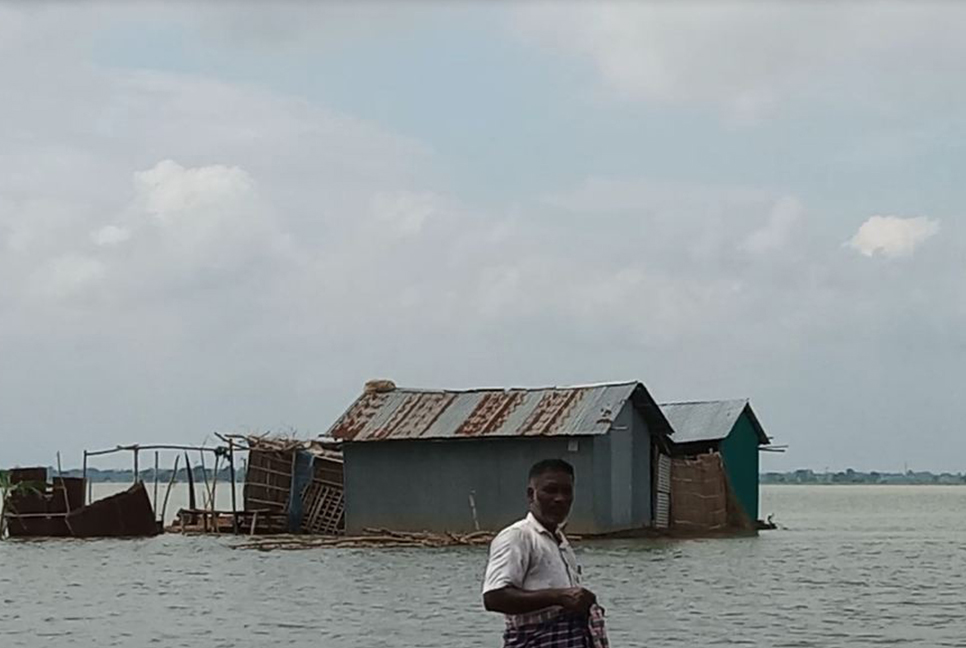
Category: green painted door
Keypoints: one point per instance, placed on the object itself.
(740, 452)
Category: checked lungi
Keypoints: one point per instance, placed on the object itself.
(560, 630)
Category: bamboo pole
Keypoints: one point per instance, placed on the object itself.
(154, 446)
(234, 505)
(476, 520)
(167, 492)
(204, 476)
(63, 486)
(155, 481)
(214, 485)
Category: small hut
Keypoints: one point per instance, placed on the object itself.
(714, 451)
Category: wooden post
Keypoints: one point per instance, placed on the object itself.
(192, 504)
(135, 465)
(155, 482)
(251, 532)
(84, 475)
(234, 506)
(174, 475)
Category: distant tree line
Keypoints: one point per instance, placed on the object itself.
(849, 476)
(98, 475)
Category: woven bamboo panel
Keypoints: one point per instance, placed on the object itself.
(699, 493)
(324, 509)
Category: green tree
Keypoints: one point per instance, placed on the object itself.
(7, 491)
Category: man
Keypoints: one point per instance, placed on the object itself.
(532, 574)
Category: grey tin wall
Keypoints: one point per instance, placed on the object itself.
(425, 485)
(622, 474)
(643, 463)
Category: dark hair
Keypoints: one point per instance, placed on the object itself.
(550, 465)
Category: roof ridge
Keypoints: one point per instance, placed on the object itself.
(470, 390)
(706, 402)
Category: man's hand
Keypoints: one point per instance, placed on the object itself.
(511, 600)
(577, 599)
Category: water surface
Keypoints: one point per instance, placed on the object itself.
(855, 566)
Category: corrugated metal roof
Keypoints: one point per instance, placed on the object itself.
(397, 413)
(708, 420)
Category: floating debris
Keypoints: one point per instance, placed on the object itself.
(372, 538)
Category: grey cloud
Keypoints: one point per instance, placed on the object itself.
(182, 254)
(750, 59)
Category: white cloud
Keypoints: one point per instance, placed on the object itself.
(893, 236)
(750, 58)
(785, 215)
(110, 235)
(199, 185)
(209, 216)
(169, 190)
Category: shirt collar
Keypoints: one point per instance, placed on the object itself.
(559, 535)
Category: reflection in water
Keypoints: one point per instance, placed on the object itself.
(856, 566)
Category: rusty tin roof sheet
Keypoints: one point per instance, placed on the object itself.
(425, 414)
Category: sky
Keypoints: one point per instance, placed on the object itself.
(227, 217)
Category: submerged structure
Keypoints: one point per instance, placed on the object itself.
(445, 460)
(300, 483)
(456, 460)
(440, 461)
(59, 509)
(291, 486)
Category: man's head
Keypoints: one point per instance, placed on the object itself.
(550, 491)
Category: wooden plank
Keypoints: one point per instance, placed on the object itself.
(269, 487)
(259, 501)
(256, 469)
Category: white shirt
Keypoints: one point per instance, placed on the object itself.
(527, 556)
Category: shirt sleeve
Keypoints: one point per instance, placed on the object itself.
(509, 557)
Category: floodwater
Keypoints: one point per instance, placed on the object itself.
(854, 566)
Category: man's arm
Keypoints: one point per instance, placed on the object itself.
(506, 571)
(513, 600)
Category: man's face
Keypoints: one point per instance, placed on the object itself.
(551, 496)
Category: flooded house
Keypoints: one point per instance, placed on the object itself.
(457, 460)
(714, 463)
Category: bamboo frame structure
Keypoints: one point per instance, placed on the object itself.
(135, 449)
